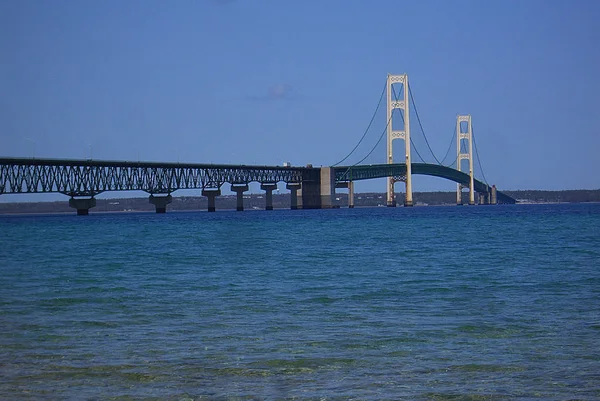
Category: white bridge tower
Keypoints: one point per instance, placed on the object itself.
(404, 134)
(460, 155)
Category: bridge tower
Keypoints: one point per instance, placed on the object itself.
(404, 134)
(462, 137)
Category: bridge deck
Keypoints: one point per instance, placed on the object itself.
(366, 172)
(90, 177)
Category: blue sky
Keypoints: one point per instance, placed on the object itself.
(263, 82)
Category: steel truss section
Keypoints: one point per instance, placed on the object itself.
(88, 178)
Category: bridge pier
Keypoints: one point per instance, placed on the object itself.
(350, 186)
(311, 195)
(482, 198)
(83, 205)
(471, 195)
(327, 187)
(295, 200)
(459, 193)
(239, 190)
(319, 193)
(493, 196)
(211, 194)
(268, 187)
(160, 202)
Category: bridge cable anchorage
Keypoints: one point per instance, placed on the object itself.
(411, 141)
(449, 147)
(478, 158)
(368, 127)
(421, 125)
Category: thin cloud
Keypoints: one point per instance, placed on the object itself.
(276, 92)
(223, 2)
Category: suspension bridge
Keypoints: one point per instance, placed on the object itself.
(310, 187)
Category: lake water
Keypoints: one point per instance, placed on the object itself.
(423, 303)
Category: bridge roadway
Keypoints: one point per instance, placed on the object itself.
(371, 171)
(84, 179)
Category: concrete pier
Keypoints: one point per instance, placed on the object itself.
(211, 194)
(319, 193)
(83, 205)
(295, 200)
(311, 195)
(493, 196)
(239, 190)
(350, 186)
(268, 187)
(327, 187)
(350, 194)
(160, 202)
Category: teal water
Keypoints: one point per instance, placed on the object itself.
(424, 303)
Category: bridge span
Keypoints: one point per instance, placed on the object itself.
(311, 187)
(398, 170)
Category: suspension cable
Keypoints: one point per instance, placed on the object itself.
(421, 125)
(463, 150)
(411, 141)
(372, 150)
(449, 146)
(379, 140)
(478, 158)
(453, 162)
(416, 151)
(374, 147)
(368, 126)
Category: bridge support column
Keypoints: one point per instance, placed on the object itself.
(211, 194)
(295, 200)
(160, 202)
(327, 187)
(268, 188)
(350, 186)
(391, 197)
(239, 190)
(408, 200)
(493, 196)
(350, 194)
(311, 195)
(83, 205)
(461, 137)
(403, 104)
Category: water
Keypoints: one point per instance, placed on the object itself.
(426, 303)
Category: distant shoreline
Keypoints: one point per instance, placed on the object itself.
(282, 201)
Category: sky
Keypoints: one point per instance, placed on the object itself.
(271, 81)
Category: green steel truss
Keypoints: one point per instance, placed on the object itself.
(91, 177)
